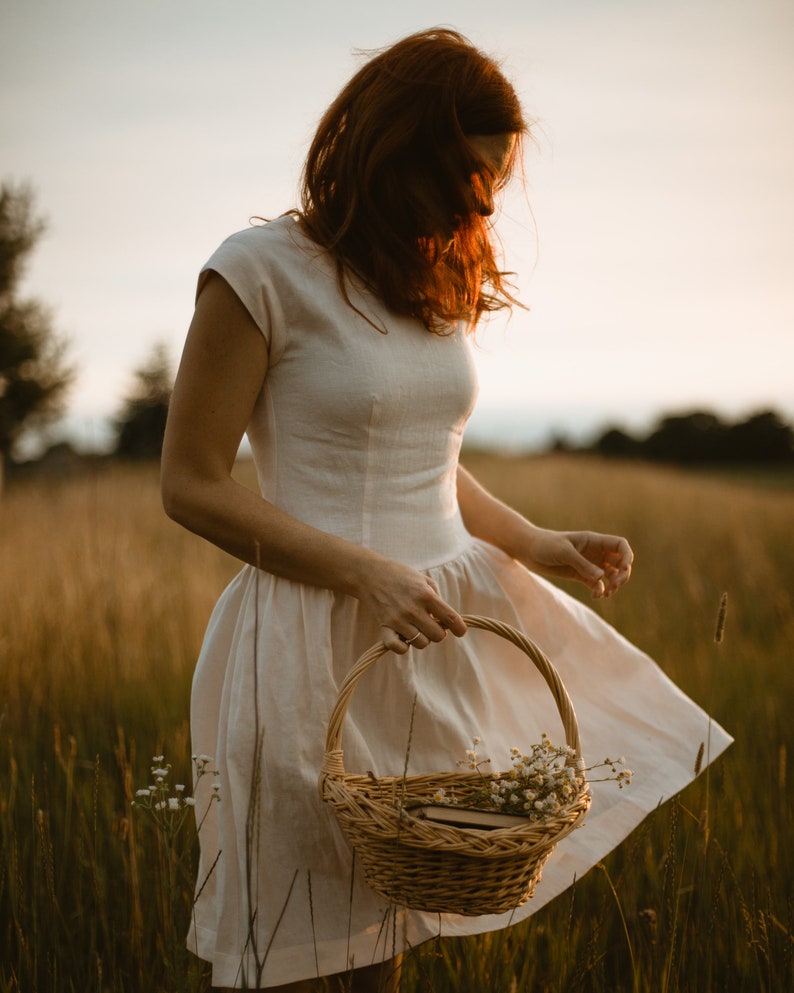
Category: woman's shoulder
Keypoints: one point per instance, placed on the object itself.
(266, 237)
(277, 249)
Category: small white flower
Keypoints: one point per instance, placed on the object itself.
(190, 801)
(173, 803)
(143, 793)
(180, 787)
(158, 759)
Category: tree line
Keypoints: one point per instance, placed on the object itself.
(701, 437)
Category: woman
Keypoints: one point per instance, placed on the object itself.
(338, 339)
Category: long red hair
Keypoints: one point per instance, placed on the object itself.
(390, 184)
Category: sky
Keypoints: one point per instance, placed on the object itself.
(652, 238)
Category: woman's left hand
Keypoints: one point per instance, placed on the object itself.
(601, 561)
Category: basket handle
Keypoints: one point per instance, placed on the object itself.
(333, 741)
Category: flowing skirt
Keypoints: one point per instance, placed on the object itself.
(279, 898)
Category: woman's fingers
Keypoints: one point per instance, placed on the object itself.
(392, 641)
(422, 632)
(617, 565)
(602, 562)
(430, 619)
(409, 608)
(442, 618)
(398, 642)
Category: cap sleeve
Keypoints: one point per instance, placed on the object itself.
(242, 259)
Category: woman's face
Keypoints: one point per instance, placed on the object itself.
(497, 151)
(442, 209)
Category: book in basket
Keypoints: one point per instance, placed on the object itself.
(467, 817)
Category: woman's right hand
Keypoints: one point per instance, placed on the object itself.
(408, 607)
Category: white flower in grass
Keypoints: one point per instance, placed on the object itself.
(143, 793)
(190, 801)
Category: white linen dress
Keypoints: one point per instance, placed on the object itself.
(357, 432)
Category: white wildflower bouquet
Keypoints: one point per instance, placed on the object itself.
(542, 782)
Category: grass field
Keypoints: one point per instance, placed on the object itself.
(103, 604)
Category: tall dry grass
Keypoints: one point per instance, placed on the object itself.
(103, 604)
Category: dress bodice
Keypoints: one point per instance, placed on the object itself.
(357, 430)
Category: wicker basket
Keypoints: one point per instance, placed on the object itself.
(431, 866)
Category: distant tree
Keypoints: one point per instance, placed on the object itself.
(141, 423)
(560, 443)
(695, 437)
(33, 370)
(615, 443)
(763, 437)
